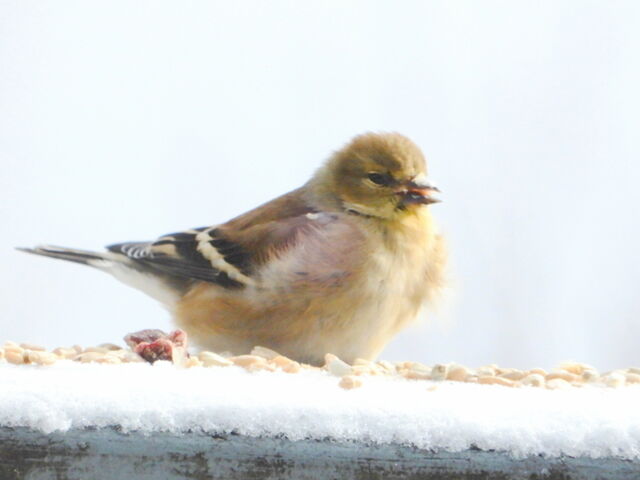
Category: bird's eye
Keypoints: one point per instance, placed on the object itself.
(379, 178)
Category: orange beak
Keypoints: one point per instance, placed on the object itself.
(418, 193)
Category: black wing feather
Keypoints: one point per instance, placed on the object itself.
(188, 261)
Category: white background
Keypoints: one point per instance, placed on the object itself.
(126, 120)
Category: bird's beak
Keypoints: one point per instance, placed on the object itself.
(418, 192)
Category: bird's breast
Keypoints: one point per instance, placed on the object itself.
(380, 299)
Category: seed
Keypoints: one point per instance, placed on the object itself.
(439, 371)
(110, 346)
(14, 357)
(210, 359)
(362, 362)
(126, 356)
(417, 372)
(458, 373)
(88, 357)
(388, 367)
(513, 374)
(590, 376)
(557, 383)
(632, 378)
(247, 361)
(109, 359)
(1, 353)
(575, 367)
(335, 366)
(533, 380)
(634, 370)
(486, 371)
(538, 371)
(13, 348)
(281, 361)
(30, 346)
(286, 364)
(193, 362)
(40, 357)
(360, 370)
(9, 343)
(614, 380)
(179, 356)
(78, 348)
(405, 365)
(363, 370)
(25, 356)
(489, 380)
(471, 379)
(264, 352)
(566, 376)
(293, 367)
(65, 352)
(349, 382)
(261, 366)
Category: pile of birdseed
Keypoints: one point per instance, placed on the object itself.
(570, 374)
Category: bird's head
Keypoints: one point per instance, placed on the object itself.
(381, 175)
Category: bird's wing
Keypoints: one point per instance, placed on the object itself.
(238, 253)
(190, 255)
(313, 250)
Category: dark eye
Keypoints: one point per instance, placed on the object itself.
(379, 178)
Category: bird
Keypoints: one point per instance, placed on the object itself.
(339, 265)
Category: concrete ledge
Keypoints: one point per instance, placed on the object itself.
(109, 454)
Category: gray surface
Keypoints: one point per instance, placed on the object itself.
(109, 454)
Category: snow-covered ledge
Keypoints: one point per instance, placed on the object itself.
(97, 416)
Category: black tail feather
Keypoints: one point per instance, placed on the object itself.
(72, 255)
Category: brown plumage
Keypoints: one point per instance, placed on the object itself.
(339, 265)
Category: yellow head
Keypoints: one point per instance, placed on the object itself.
(378, 175)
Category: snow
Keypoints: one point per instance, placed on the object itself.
(590, 421)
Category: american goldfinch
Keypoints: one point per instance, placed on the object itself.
(339, 265)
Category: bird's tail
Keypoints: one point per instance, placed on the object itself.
(85, 257)
(155, 284)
